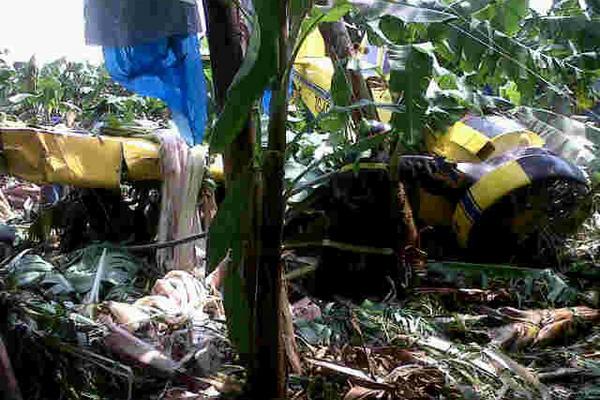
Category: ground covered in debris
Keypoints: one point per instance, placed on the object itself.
(101, 322)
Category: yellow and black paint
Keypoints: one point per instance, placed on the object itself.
(526, 167)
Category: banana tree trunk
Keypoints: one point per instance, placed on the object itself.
(271, 380)
(225, 39)
(340, 48)
(226, 54)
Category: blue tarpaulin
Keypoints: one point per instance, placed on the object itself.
(151, 47)
(266, 99)
(170, 69)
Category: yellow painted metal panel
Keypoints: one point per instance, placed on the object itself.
(462, 225)
(80, 160)
(313, 46)
(45, 157)
(487, 191)
(435, 210)
(142, 158)
(458, 140)
(508, 141)
(316, 70)
(499, 182)
(383, 96)
(216, 169)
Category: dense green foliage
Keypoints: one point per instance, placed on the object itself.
(46, 95)
(447, 58)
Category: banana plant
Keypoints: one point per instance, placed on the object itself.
(481, 51)
(46, 95)
(445, 59)
(253, 309)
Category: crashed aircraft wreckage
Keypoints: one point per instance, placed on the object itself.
(487, 188)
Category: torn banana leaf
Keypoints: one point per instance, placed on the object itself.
(571, 139)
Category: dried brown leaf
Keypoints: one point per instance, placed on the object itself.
(363, 393)
(351, 373)
(555, 331)
(515, 336)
